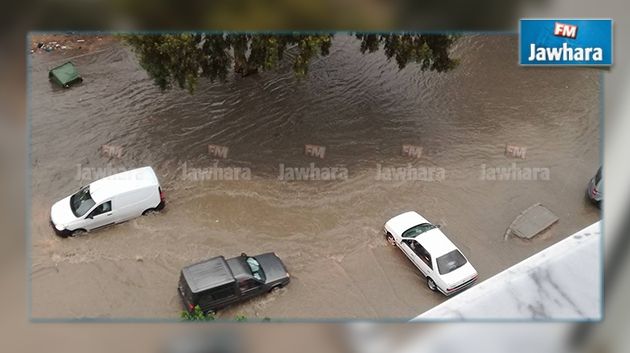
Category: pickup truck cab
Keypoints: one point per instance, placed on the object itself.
(114, 199)
(216, 283)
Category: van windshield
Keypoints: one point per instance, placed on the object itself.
(257, 271)
(81, 202)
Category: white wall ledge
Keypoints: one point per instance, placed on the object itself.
(562, 282)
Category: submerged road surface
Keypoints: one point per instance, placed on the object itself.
(237, 175)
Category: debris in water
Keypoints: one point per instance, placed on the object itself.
(534, 220)
(65, 75)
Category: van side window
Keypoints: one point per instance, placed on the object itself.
(102, 208)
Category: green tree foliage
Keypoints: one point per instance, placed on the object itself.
(430, 51)
(197, 315)
(180, 59)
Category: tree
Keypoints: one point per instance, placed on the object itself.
(431, 51)
(180, 59)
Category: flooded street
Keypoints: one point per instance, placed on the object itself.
(362, 114)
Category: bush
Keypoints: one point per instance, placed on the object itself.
(197, 315)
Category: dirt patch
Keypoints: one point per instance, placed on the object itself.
(74, 43)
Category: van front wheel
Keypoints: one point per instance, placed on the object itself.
(79, 232)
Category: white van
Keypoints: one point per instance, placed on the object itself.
(114, 199)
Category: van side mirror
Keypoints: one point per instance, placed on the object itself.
(439, 226)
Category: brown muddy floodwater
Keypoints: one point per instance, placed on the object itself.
(362, 109)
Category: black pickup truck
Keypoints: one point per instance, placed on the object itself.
(216, 283)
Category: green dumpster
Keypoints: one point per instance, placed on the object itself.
(65, 75)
